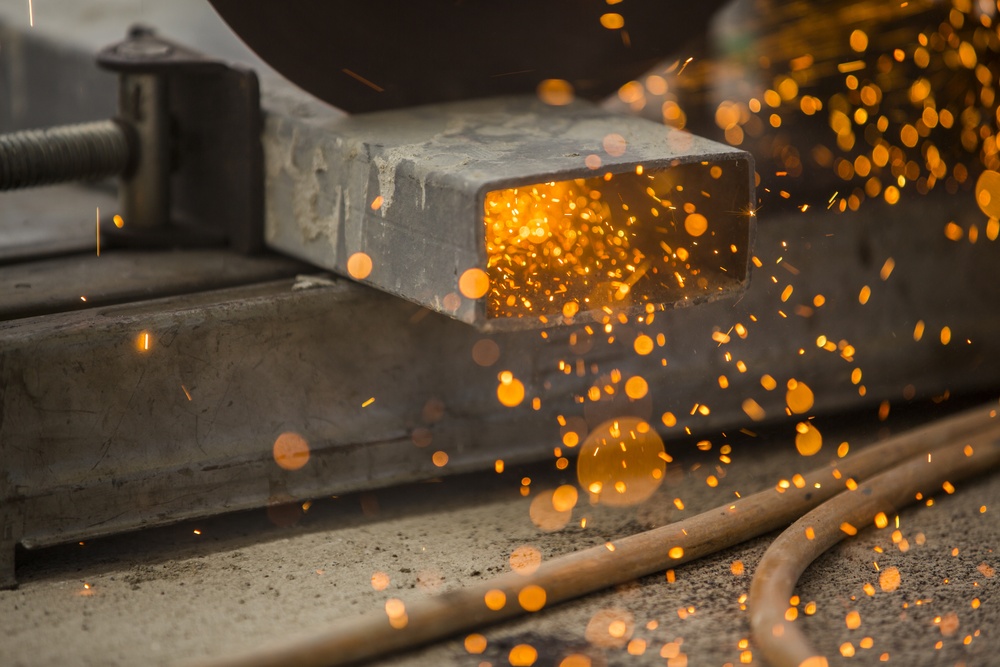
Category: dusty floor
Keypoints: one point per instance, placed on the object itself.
(197, 590)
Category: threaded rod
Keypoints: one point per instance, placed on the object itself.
(88, 151)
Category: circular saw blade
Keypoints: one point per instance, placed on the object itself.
(381, 54)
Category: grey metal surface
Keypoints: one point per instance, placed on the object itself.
(49, 261)
(407, 188)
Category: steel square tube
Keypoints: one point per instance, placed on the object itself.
(407, 188)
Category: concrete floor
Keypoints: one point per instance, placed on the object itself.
(209, 588)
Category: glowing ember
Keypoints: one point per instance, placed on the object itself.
(808, 439)
(396, 611)
(695, 224)
(510, 391)
(525, 560)
(799, 397)
(636, 387)
(545, 514)
(564, 498)
(643, 345)
(475, 644)
(988, 193)
(636, 647)
(495, 599)
(622, 461)
(610, 628)
(615, 240)
(359, 266)
(143, 341)
(888, 579)
(556, 92)
(380, 581)
(948, 624)
(612, 21)
(753, 410)
(485, 352)
(614, 145)
(291, 451)
(522, 655)
(473, 283)
(531, 598)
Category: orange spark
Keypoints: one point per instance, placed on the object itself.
(358, 77)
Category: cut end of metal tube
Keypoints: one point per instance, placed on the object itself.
(641, 240)
(510, 214)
